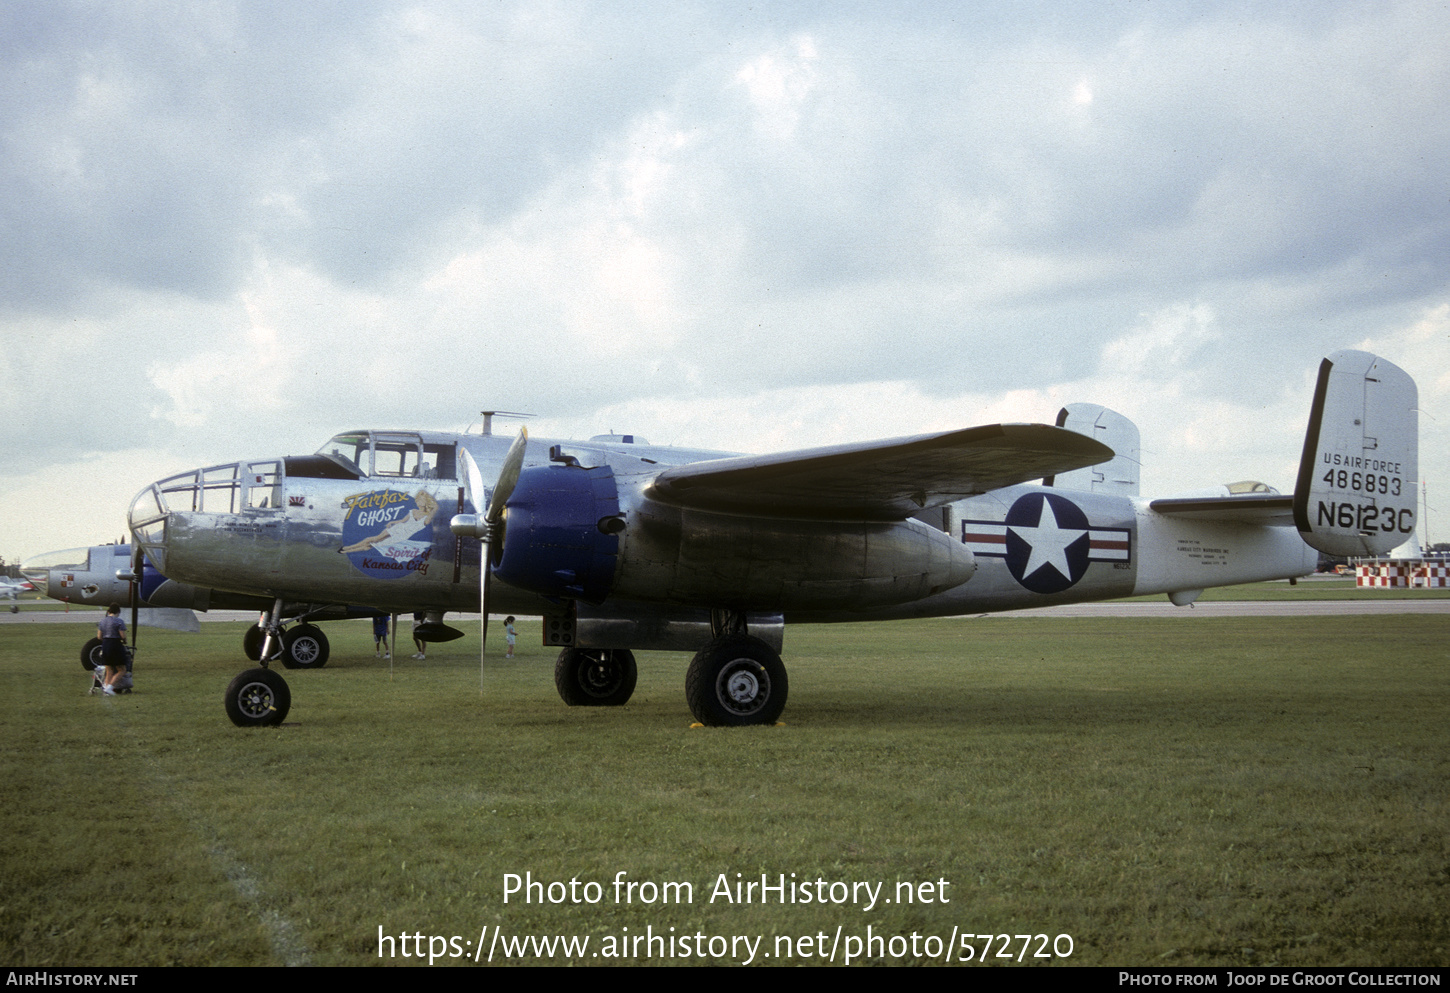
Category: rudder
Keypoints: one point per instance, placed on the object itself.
(1356, 489)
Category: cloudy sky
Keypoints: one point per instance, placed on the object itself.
(231, 230)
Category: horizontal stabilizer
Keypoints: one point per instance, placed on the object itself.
(1270, 511)
(882, 480)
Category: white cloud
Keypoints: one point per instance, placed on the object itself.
(237, 233)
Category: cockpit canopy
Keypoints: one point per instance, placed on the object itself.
(394, 453)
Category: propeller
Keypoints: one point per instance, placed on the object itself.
(138, 562)
(488, 528)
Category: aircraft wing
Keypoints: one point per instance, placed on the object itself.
(1271, 511)
(880, 480)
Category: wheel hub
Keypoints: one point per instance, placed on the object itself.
(255, 700)
(600, 678)
(744, 686)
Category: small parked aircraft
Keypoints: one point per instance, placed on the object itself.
(11, 589)
(622, 546)
(102, 575)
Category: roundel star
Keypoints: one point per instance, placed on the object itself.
(1047, 542)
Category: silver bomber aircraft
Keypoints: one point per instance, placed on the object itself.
(622, 546)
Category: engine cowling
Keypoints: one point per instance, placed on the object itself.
(561, 533)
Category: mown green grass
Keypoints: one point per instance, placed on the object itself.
(1186, 791)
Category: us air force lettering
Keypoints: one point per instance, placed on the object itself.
(622, 546)
(1357, 476)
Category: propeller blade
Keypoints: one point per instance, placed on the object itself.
(138, 562)
(508, 476)
(473, 480)
(486, 527)
(483, 616)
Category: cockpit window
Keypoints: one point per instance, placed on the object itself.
(350, 447)
(393, 455)
(78, 559)
(440, 462)
(264, 486)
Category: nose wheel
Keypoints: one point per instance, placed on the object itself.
(258, 698)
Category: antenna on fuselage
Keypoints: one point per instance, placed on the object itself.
(488, 416)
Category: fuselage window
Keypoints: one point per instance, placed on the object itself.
(395, 460)
(440, 462)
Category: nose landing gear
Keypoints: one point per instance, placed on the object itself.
(260, 697)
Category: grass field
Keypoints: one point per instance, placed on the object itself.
(1195, 791)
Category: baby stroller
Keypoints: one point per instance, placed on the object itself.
(93, 663)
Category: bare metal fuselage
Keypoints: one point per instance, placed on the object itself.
(303, 538)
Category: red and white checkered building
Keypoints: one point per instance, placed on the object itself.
(1402, 573)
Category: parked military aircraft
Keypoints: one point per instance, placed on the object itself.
(101, 575)
(12, 588)
(622, 546)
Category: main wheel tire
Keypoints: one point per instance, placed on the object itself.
(599, 678)
(736, 681)
(257, 698)
(91, 656)
(252, 642)
(305, 647)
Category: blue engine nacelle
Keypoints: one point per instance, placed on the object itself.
(561, 533)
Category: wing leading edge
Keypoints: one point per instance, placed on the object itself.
(881, 480)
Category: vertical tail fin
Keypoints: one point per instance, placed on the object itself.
(1120, 475)
(1357, 477)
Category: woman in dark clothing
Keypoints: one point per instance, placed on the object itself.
(112, 632)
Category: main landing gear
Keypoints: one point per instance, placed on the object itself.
(303, 647)
(595, 677)
(91, 657)
(260, 697)
(734, 681)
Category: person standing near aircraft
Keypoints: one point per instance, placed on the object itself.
(380, 637)
(418, 618)
(510, 634)
(111, 630)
